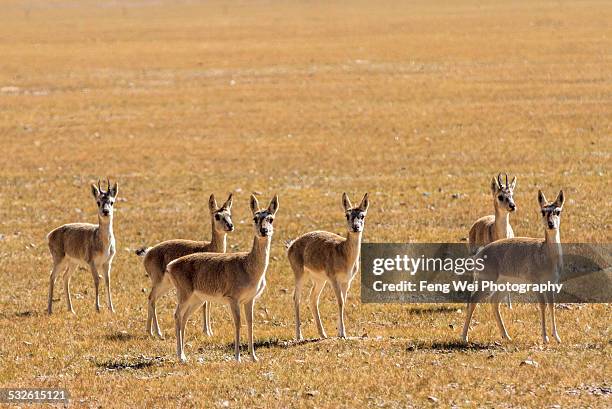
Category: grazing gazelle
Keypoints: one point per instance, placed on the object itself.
(325, 256)
(495, 227)
(524, 260)
(156, 259)
(234, 279)
(83, 243)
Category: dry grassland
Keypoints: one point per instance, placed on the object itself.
(418, 103)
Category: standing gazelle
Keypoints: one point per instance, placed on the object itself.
(526, 260)
(234, 279)
(83, 243)
(487, 229)
(325, 256)
(156, 259)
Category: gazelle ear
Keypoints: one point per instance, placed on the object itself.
(493, 186)
(254, 204)
(365, 203)
(94, 190)
(346, 203)
(560, 199)
(212, 203)
(542, 199)
(513, 183)
(228, 203)
(114, 190)
(273, 206)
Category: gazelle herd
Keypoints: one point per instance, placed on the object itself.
(202, 272)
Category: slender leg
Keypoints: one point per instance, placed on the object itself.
(468, 318)
(296, 306)
(96, 278)
(67, 277)
(542, 303)
(340, 298)
(315, 294)
(178, 315)
(498, 317)
(162, 289)
(106, 268)
(551, 304)
(475, 299)
(235, 307)
(509, 301)
(159, 289)
(248, 312)
(206, 317)
(58, 266)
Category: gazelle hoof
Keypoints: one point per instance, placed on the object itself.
(557, 338)
(183, 359)
(254, 358)
(545, 339)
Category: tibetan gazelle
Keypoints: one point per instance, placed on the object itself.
(234, 279)
(526, 260)
(325, 256)
(92, 245)
(487, 229)
(156, 259)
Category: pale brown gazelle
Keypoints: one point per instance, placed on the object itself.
(156, 259)
(526, 260)
(325, 256)
(230, 278)
(92, 245)
(495, 227)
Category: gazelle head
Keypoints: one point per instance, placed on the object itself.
(355, 216)
(503, 193)
(551, 212)
(221, 216)
(263, 219)
(105, 199)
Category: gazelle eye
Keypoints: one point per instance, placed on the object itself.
(500, 198)
(271, 220)
(543, 213)
(347, 216)
(217, 217)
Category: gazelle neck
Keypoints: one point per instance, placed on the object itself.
(351, 245)
(218, 239)
(105, 229)
(259, 256)
(502, 222)
(552, 241)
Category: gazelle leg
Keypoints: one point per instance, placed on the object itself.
(340, 298)
(106, 269)
(542, 303)
(96, 278)
(235, 307)
(206, 319)
(157, 291)
(297, 292)
(315, 295)
(551, 304)
(178, 317)
(468, 318)
(67, 277)
(58, 266)
(475, 299)
(248, 312)
(500, 322)
(508, 301)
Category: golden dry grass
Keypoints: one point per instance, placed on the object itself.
(308, 99)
